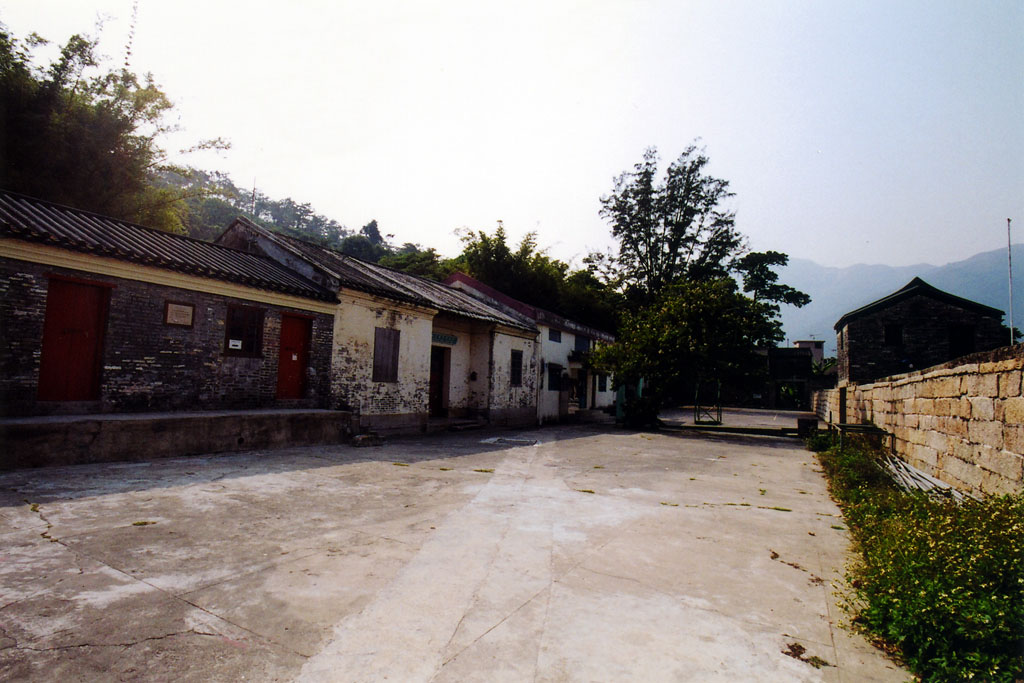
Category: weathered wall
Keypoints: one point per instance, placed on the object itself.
(381, 405)
(148, 365)
(962, 422)
(508, 404)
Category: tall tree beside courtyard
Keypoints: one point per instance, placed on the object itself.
(673, 229)
(75, 134)
(678, 261)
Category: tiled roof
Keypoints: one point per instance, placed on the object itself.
(38, 221)
(918, 287)
(532, 312)
(393, 284)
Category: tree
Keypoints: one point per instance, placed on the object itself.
(671, 230)
(694, 331)
(413, 259)
(763, 283)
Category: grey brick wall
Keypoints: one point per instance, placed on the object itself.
(148, 365)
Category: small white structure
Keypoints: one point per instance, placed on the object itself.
(564, 385)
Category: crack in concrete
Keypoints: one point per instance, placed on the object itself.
(79, 555)
(61, 648)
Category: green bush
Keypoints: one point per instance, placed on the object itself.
(941, 584)
(819, 441)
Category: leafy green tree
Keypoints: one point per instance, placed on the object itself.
(673, 229)
(694, 331)
(86, 139)
(413, 259)
(763, 283)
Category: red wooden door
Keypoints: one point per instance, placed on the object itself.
(76, 317)
(293, 357)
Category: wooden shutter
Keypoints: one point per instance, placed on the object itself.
(385, 354)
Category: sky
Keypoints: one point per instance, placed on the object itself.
(858, 132)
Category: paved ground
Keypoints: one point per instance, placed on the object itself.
(594, 555)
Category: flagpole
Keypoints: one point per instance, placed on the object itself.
(1009, 269)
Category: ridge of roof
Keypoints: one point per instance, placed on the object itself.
(917, 287)
(391, 283)
(38, 220)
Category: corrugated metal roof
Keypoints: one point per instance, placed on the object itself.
(376, 279)
(39, 221)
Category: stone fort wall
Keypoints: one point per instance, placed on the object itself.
(962, 421)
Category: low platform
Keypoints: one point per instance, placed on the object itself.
(75, 439)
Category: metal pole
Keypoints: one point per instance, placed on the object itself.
(1009, 268)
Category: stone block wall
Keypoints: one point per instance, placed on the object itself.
(962, 422)
(148, 365)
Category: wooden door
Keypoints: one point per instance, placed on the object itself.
(293, 356)
(76, 317)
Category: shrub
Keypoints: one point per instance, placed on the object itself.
(941, 584)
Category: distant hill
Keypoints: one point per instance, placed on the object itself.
(835, 291)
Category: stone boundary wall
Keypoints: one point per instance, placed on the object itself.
(962, 422)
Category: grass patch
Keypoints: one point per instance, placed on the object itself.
(938, 584)
(34, 507)
(485, 471)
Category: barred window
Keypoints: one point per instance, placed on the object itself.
(516, 369)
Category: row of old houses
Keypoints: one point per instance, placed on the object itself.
(98, 315)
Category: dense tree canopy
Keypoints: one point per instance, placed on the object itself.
(77, 135)
(673, 229)
(679, 260)
(695, 331)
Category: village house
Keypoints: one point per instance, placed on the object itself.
(913, 328)
(99, 315)
(564, 385)
(411, 353)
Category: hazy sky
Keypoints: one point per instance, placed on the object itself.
(877, 132)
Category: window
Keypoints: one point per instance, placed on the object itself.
(582, 344)
(516, 369)
(554, 335)
(961, 340)
(894, 335)
(243, 335)
(602, 382)
(385, 354)
(554, 377)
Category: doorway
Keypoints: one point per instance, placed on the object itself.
(438, 393)
(73, 331)
(293, 356)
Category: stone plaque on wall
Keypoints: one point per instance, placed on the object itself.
(178, 314)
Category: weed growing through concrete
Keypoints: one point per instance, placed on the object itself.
(773, 507)
(796, 651)
(838, 527)
(674, 505)
(445, 469)
(763, 491)
(34, 507)
(484, 471)
(142, 523)
(585, 490)
(400, 464)
(598, 467)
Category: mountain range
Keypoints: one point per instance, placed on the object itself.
(835, 291)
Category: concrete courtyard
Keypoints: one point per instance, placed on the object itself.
(559, 554)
